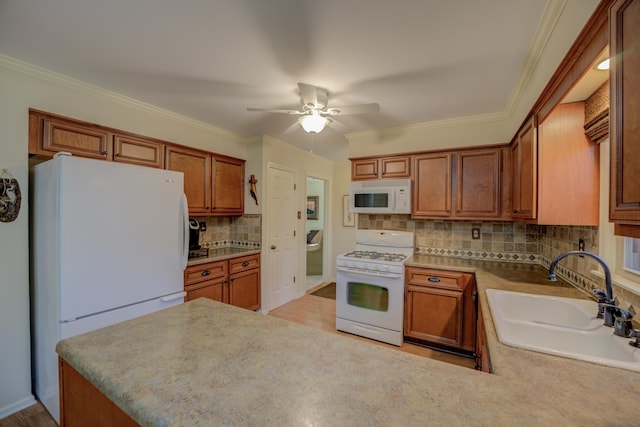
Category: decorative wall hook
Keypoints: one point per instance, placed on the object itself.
(252, 182)
(10, 197)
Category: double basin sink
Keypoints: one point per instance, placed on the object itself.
(560, 326)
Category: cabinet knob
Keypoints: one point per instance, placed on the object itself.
(104, 153)
(273, 247)
(434, 279)
(245, 263)
(458, 211)
(515, 211)
(205, 273)
(118, 154)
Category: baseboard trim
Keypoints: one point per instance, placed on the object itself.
(17, 406)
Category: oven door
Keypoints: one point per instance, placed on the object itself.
(370, 299)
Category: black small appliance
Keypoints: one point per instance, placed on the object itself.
(194, 234)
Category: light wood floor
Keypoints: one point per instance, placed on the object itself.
(310, 310)
(320, 313)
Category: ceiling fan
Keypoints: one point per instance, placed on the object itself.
(314, 112)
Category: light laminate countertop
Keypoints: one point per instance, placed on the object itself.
(221, 254)
(207, 363)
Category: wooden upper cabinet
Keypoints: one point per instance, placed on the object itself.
(478, 183)
(624, 39)
(380, 168)
(139, 151)
(51, 134)
(555, 174)
(228, 185)
(524, 183)
(196, 167)
(432, 185)
(568, 169)
(470, 180)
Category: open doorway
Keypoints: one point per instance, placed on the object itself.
(315, 229)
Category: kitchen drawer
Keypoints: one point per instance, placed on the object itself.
(214, 289)
(201, 272)
(244, 263)
(438, 278)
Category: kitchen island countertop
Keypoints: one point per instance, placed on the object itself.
(207, 363)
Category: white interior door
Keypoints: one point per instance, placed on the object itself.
(281, 243)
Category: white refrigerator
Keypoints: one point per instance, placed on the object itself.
(109, 243)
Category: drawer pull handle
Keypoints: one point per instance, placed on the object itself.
(205, 273)
(245, 263)
(434, 279)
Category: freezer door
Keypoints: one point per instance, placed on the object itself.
(46, 360)
(121, 235)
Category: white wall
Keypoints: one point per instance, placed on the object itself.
(344, 238)
(559, 28)
(22, 87)
(303, 164)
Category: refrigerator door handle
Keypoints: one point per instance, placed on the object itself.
(173, 297)
(185, 231)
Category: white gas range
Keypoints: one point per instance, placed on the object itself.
(370, 285)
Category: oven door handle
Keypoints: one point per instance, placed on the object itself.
(369, 273)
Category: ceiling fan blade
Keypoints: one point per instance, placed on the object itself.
(275, 110)
(333, 123)
(353, 109)
(308, 94)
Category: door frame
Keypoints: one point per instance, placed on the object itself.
(268, 223)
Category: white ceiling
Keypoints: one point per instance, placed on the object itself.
(421, 60)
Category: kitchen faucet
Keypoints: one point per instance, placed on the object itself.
(606, 302)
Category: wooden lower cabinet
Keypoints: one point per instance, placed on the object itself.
(235, 281)
(440, 308)
(82, 404)
(483, 362)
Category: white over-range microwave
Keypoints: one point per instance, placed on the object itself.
(389, 196)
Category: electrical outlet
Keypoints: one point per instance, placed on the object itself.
(203, 226)
(475, 233)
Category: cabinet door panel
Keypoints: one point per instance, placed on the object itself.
(478, 183)
(434, 315)
(525, 170)
(395, 167)
(212, 289)
(196, 166)
(624, 204)
(129, 149)
(364, 169)
(228, 186)
(77, 139)
(244, 289)
(432, 187)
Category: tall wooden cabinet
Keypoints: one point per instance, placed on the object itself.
(624, 39)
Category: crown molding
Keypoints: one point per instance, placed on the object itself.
(86, 88)
(550, 17)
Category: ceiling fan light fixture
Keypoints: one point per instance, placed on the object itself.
(603, 65)
(313, 123)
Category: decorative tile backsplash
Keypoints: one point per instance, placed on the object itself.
(244, 231)
(507, 241)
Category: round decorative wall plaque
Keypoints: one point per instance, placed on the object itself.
(10, 197)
